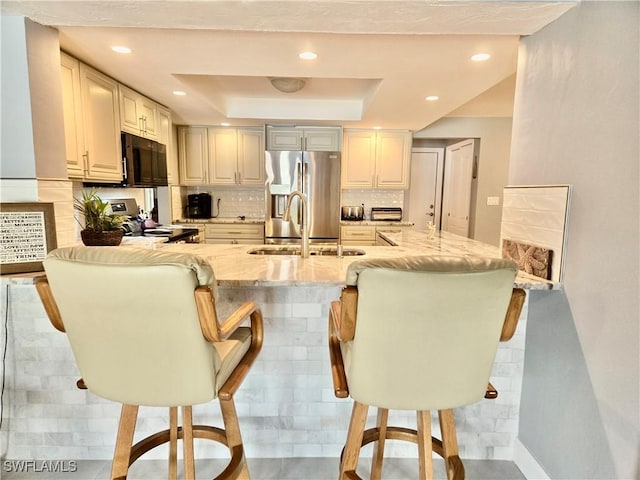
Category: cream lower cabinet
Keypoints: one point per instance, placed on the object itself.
(91, 122)
(357, 235)
(221, 156)
(233, 233)
(376, 159)
(366, 235)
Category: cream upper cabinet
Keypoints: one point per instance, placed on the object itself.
(358, 159)
(281, 138)
(193, 155)
(101, 121)
(376, 159)
(225, 156)
(251, 156)
(315, 139)
(165, 136)
(72, 110)
(138, 114)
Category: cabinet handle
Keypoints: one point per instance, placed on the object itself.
(85, 160)
(239, 177)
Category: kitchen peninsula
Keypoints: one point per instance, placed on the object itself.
(286, 406)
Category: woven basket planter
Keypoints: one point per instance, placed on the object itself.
(107, 238)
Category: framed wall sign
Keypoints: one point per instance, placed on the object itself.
(27, 234)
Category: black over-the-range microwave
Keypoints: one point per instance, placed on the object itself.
(144, 163)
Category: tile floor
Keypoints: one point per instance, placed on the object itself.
(278, 469)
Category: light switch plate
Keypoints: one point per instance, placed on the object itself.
(493, 200)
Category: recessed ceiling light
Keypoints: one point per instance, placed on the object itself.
(432, 98)
(377, 127)
(121, 49)
(480, 57)
(308, 55)
(225, 124)
(179, 93)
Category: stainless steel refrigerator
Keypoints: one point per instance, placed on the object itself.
(317, 175)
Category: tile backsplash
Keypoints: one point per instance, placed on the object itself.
(373, 198)
(234, 201)
(250, 202)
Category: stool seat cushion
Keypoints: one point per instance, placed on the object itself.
(132, 322)
(229, 353)
(427, 330)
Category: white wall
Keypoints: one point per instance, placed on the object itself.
(493, 165)
(18, 157)
(576, 121)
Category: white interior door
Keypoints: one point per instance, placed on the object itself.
(456, 199)
(425, 194)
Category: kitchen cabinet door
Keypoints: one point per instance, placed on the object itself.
(193, 155)
(358, 159)
(223, 156)
(376, 159)
(165, 136)
(285, 139)
(138, 114)
(234, 233)
(101, 118)
(251, 156)
(393, 151)
(313, 139)
(72, 111)
(322, 139)
(357, 235)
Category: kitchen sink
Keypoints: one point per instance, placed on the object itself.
(320, 251)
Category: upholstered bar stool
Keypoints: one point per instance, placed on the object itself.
(418, 333)
(155, 340)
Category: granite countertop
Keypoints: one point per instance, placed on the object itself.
(235, 220)
(233, 266)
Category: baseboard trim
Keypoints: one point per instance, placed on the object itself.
(527, 463)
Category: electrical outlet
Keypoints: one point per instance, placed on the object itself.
(493, 200)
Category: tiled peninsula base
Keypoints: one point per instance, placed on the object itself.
(286, 405)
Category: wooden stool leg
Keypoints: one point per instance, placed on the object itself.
(378, 450)
(354, 439)
(187, 443)
(453, 464)
(124, 441)
(173, 443)
(232, 429)
(425, 451)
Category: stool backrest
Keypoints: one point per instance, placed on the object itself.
(132, 322)
(427, 330)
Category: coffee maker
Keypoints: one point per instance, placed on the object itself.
(199, 205)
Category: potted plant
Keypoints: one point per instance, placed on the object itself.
(101, 226)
